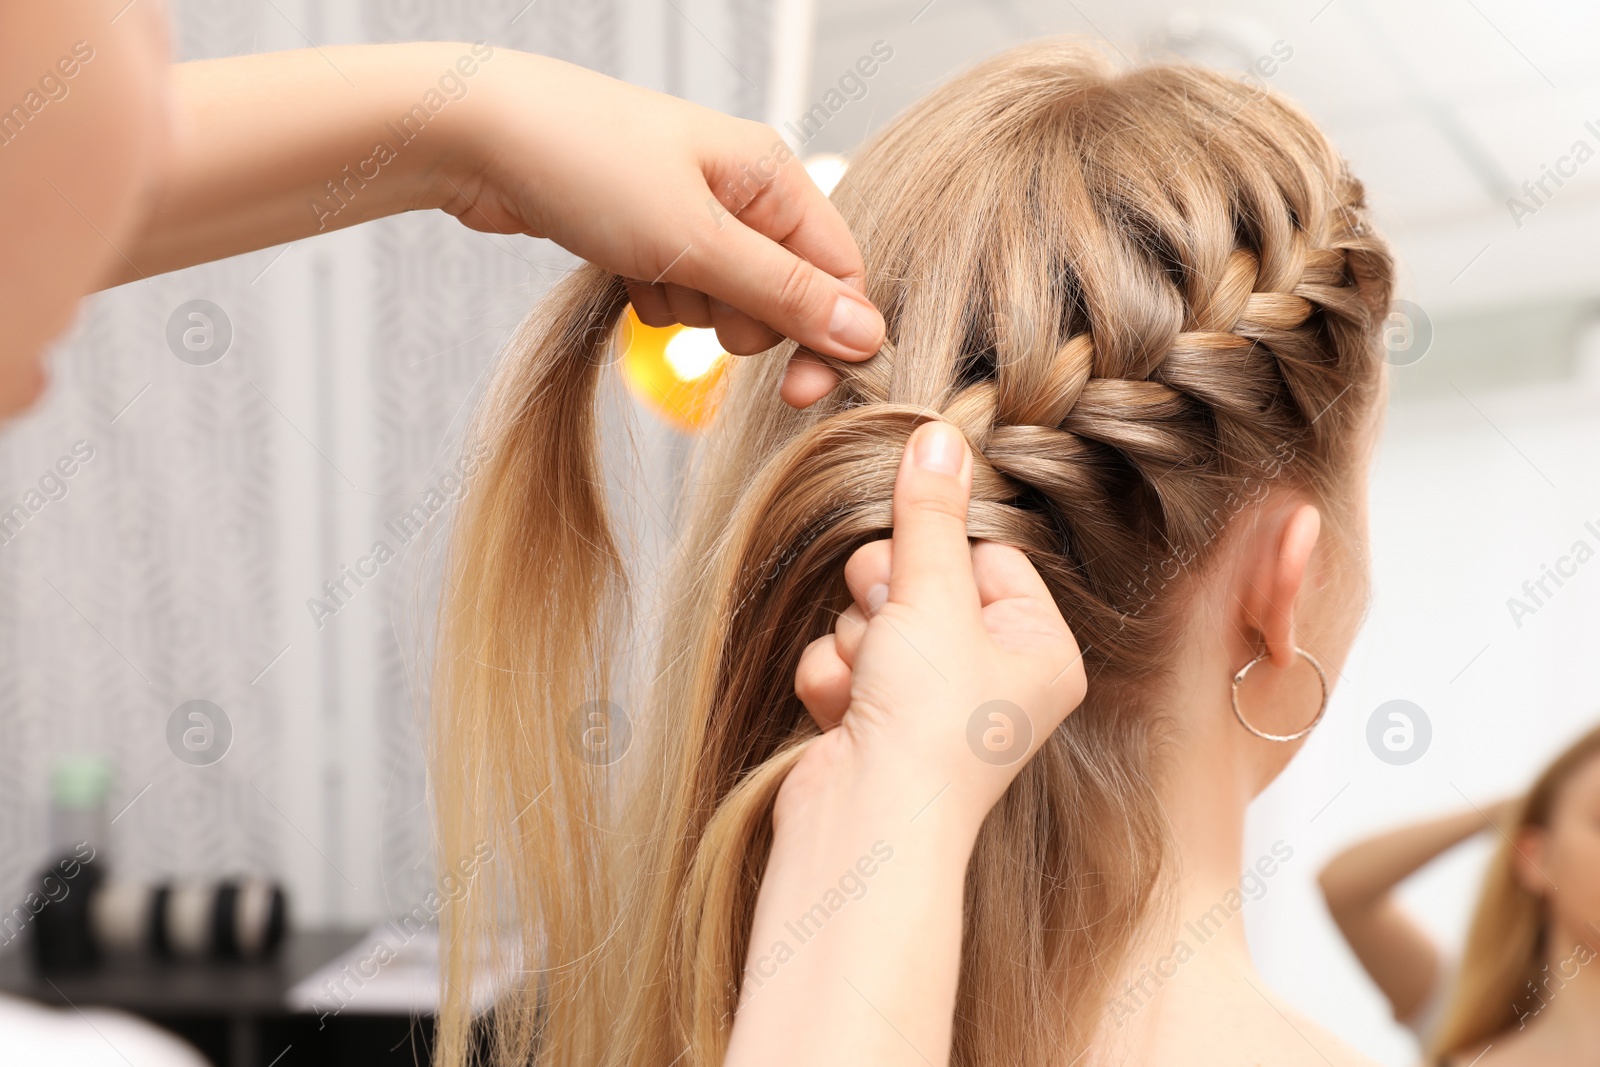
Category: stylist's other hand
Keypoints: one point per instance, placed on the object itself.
(953, 665)
(712, 218)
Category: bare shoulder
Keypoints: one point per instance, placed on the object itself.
(1259, 1030)
(1312, 1044)
(1282, 1035)
(1524, 1049)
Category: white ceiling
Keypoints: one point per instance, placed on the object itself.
(1443, 107)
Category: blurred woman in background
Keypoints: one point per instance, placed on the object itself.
(1526, 990)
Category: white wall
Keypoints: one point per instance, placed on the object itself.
(1466, 505)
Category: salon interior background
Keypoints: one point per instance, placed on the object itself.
(178, 561)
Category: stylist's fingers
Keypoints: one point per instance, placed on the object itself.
(932, 562)
(793, 211)
(822, 682)
(806, 380)
(736, 332)
(739, 333)
(848, 630)
(650, 303)
(688, 306)
(1020, 613)
(757, 274)
(1005, 573)
(1022, 618)
(866, 574)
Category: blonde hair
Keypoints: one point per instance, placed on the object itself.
(1137, 294)
(1506, 943)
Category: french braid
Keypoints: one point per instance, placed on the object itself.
(1244, 385)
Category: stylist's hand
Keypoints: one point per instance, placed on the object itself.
(713, 218)
(954, 663)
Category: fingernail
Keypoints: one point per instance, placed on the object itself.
(938, 448)
(856, 325)
(877, 597)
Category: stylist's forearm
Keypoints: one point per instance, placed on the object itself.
(272, 148)
(711, 220)
(855, 950)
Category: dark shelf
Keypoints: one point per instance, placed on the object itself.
(235, 1013)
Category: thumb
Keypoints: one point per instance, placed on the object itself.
(770, 283)
(931, 565)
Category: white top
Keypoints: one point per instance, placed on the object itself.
(33, 1034)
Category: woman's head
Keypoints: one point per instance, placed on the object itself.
(1557, 858)
(1538, 917)
(1151, 302)
(1149, 299)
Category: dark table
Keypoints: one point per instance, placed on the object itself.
(234, 1012)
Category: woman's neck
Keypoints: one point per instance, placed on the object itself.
(1193, 945)
(1564, 999)
(1188, 985)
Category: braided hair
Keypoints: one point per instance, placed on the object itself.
(1144, 297)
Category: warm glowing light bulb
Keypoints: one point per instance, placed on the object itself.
(692, 353)
(677, 373)
(826, 170)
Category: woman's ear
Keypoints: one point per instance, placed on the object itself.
(1527, 860)
(1273, 580)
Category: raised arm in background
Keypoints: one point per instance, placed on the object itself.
(1359, 887)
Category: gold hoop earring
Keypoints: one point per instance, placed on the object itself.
(1297, 735)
